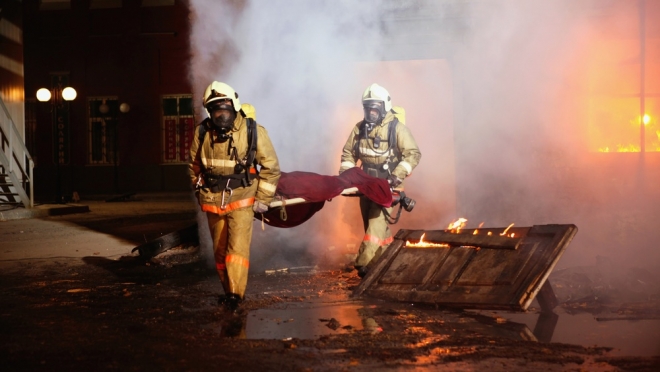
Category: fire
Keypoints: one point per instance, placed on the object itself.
(423, 244)
(505, 230)
(476, 231)
(625, 138)
(457, 225)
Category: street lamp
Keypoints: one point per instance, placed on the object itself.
(59, 97)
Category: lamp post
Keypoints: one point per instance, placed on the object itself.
(59, 97)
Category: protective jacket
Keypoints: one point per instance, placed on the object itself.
(389, 143)
(214, 157)
(372, 148)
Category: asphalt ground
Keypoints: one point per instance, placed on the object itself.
(73, 295)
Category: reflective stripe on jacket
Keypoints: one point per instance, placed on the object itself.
(217, 158)
(407, 152)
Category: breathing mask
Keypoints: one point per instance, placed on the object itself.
(374, 112)
(222, 115)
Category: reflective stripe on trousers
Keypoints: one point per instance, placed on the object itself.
(229, 207)
(231, 235)
(377, 232)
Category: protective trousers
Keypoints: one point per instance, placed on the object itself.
(377, 234)
(231, 234)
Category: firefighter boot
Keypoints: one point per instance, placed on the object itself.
(232, 302)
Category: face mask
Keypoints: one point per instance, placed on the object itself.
(224, 119)
(222, 116)
(372, 114)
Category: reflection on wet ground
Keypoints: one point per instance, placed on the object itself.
(304, 321)
(627, 337)
(311, 320)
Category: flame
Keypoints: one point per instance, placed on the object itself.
(423, 244)
(505, 230)
(647, 119)
(631, 132)
(457, 225)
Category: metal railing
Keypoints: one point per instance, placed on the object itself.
(18, 165)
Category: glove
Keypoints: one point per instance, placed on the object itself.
(393, 180)
(259, 207)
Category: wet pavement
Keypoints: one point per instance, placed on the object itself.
(626, 337)
(72, 296)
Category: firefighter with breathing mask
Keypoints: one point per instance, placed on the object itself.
(386, 149)
(234, 170)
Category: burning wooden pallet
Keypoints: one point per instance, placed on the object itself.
(479, 269)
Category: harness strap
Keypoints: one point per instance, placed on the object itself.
(391, 136)
(219, 183)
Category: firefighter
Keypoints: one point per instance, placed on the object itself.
(386, 149)
(234, 170)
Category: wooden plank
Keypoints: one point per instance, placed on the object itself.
(461, 239)
(379, 267)
(504, 273)
(454, 264)
(412, 265)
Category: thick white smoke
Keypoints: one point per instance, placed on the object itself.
(494, 93)
(295, 62)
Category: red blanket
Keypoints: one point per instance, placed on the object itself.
(316, 189)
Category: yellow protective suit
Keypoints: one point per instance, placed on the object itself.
(402, 159)
(229, 213)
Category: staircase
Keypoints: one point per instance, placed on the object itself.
(16, 165)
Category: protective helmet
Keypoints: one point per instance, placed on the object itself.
(375, 92)
(219, 91)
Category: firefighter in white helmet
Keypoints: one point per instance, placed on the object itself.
(234, 170)
(385, 148)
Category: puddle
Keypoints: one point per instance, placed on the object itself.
(306, 321)
(627, 337)
(313, 320)
(298, 321)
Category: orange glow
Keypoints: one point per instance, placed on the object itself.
(505, 230)
(457, 225)
(423, 244)
(621, 135)
(613, 104)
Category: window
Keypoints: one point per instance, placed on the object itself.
(103, 114)
(147, 3)
(104, 4)
(54, 4)
(178, 127)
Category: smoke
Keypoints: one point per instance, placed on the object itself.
(495, 94)
(529, 81)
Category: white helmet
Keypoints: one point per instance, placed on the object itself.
(375, 92)
(218, 91)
